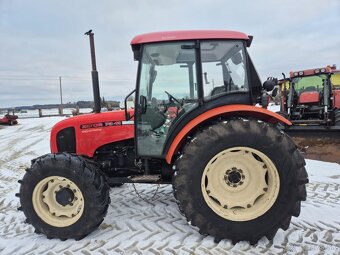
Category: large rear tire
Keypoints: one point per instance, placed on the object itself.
(240, 180)
(337, 117)
(64, 196)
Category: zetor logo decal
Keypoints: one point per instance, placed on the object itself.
(101, 124)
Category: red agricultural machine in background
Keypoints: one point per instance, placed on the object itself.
(310, 99)
(9, 119)
(234, 173)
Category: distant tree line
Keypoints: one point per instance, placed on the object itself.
(80, 104)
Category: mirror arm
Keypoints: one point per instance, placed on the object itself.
(127, 114)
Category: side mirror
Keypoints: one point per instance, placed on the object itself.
(269, 84)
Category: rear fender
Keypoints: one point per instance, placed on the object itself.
(228, 110)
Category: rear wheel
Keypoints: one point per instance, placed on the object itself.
(64, 196)
(240, 180)
(337, 117)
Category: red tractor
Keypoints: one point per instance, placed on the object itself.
(311, 99)
(234, 174)
(9, 119)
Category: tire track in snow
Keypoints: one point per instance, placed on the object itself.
(157, 227)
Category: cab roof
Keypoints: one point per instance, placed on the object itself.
(189, 35)
(308, 72)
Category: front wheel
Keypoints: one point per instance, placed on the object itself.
(240, 180)
(64, 196)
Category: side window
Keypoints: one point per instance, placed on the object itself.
(223, 67)
(213, 82)
(335, 80)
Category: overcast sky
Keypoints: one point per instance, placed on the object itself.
(41, 40)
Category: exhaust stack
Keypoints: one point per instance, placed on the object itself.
(95, 81)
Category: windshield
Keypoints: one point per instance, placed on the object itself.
(309, 83)
(168, 67)
(168, 89)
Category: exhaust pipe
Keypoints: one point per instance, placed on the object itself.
(95, 81)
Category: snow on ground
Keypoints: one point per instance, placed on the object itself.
(155, 226)
(53, 111)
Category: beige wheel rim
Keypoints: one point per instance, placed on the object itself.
(240, 184)
(58, 201)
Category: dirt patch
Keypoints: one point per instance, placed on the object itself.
(324, 149)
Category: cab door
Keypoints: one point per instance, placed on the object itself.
(166, 90)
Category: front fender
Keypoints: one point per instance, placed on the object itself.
(227, 110)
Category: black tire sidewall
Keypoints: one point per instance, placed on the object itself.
(75, 171)
(275, 152)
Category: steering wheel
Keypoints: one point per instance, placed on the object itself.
(173, 98)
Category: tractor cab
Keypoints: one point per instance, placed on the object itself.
(182, 73)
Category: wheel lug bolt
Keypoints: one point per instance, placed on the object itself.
(60, 186)
(74, 191)
(208, 191)
(68, 185)
(71, 204)
(225, 207)
(248, 205)
(265, 189)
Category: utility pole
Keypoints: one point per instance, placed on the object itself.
(61, 97)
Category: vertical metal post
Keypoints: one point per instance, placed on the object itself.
(95, 81)
(191, 80)
(61, 97)
(199, 73)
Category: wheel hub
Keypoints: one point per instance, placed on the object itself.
(64, 196)
(246, 190)
(58, 201)
(234, 177)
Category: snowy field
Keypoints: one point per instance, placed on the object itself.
(154, 225)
